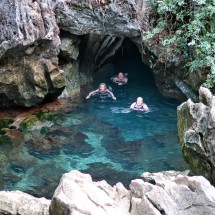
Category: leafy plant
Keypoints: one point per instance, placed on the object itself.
(184, 29)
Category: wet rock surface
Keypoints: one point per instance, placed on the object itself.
(196, 127)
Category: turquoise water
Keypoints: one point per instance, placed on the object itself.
(102, 137)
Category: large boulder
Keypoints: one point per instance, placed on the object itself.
(17, 202)
(196, 129)
(78, 194)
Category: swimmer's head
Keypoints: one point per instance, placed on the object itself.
(102, 87)
(121, 75)
(139, 100)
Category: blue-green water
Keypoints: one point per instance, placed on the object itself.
(102, 137)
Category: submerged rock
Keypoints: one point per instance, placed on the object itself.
(196, 128)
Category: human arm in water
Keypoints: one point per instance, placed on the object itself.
(133, 106)
(112, 95)
(91, 93)
(145, 107)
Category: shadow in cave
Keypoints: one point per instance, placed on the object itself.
(127, 59)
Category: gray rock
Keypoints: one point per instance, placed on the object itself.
(174, 193)
(29, 45)
(196, 128)
(69, 47)
(77, 194)
(17, 202)
(90, 17)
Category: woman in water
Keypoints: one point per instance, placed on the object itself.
(120, 79)
(101, 90)
(139, 105)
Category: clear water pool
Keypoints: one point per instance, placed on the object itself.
(102, 137)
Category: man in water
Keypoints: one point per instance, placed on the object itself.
(139, 105)
(120, 79)
(101, 90)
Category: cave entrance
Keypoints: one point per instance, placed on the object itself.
(127, 59)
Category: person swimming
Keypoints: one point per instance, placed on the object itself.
(101, 90)
(139, 105)
(120, 79)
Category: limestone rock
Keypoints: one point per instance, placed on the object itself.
(84, 17)
(77, 194)
(196, 128)
(69, 63)
(69, 46)
(29, 45)
(173, 194)
(17, 202)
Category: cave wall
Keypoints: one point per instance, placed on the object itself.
(37, 61)
(29, 46)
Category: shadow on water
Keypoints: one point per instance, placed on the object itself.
(104, 137)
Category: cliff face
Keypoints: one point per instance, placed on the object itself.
(28, 51)
(30, 47)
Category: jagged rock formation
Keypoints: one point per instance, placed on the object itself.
(68, 57)
(196, 128)
(171, 193)
(29, 46)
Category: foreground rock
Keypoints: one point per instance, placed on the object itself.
(17, 202)
(196, 128)
(170, 192)
(160, 193)
(78, 194)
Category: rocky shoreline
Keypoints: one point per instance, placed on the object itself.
(170, 192)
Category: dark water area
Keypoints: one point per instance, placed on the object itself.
(102, 137)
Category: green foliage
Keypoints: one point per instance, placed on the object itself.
(185, 29)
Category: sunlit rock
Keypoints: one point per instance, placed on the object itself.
(172, 193)
(169, 192)
(196, 128)
(17, 202)
(78, 194)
